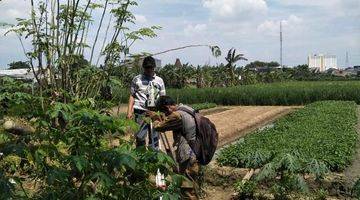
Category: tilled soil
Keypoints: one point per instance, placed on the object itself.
(236, 122)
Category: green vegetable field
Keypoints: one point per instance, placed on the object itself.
(284, 93)
(202, 106)
(322, 132)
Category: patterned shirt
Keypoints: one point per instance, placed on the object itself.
(140, 88)
(173, 122)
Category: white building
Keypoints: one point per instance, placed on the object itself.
(322, 62)
(18, 73)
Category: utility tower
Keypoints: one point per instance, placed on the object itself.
(281, 45)
(347, 60)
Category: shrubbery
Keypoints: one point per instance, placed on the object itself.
(76, 152)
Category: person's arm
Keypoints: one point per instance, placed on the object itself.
(171, 122)
(133, 90)
(162, 88)
(130, 110)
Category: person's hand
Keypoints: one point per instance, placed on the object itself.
(163, 187)
(150, 113)
(153, 115)
(130, 116)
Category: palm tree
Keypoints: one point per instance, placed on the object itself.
(232, 58)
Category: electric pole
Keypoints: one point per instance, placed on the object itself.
(281, 45)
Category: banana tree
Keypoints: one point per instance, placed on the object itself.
(232, 58)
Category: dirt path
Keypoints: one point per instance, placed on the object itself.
(238, 121)
(352, 173)
(233, 123)
(122, 108)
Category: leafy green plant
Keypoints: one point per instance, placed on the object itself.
(356, 189)
(321, 194)
(246, 189)
(203, 106)
(72, 155)
(304, 142)
(310, 136)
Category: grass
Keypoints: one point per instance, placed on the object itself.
(285, 93)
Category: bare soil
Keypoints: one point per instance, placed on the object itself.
(236, 122)
(233, 122)
(120, 109)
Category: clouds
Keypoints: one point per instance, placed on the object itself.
(250, 26)
(140, 19)
(11, 9)
(293, 25)
(191, 30)
(235, 8)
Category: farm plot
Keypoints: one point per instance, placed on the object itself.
(324, 131)
(283, 93)
(306, 151)
(233, 122)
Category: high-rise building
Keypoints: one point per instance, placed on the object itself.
(322, 62)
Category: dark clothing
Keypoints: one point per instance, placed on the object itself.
(144, 131)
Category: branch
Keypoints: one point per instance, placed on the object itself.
(98, 31)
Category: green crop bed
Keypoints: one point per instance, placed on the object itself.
(284, 93)
(203, 106)
(322, 131)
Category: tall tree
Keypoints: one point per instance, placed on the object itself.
(19, 65)
(59, 30)
(232, 58)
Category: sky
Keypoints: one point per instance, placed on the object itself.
(249, 26)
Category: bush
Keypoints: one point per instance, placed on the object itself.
(71, 154)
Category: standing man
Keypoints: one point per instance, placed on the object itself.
(145, 89)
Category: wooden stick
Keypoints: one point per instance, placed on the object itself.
(248, 176)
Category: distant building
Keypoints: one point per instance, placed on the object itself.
(24, 74)
(322, 62)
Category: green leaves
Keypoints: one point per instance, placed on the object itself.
(80, 162)
(318, 168)
(215, 50)
(6, 188)
(320, 136)
(356, 189)
(312, 140)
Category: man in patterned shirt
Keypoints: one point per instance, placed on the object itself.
(140, 89)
